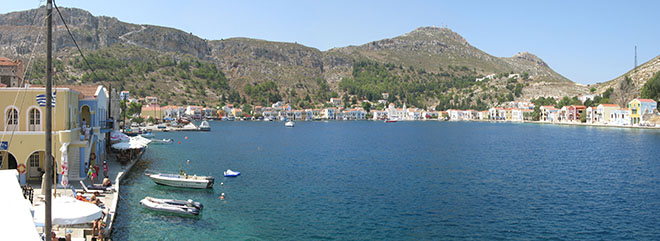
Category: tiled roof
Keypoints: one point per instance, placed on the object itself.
(86, 91)
(8, 62)
(646, 100)
(610, 105)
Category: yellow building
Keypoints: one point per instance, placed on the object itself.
(639, 107)
(22, 123)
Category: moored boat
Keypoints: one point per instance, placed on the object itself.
(182, 180)
(289, 124)
(162, 141)
(172, 206)
(204, 126)
(230, 173)
(147, 134)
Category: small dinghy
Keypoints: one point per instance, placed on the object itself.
(289, 124)
(172, 206)
(230, 173)
(147, 134)
(162, 141)
(182, 180)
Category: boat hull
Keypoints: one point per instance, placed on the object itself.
(180, 182)
(172, 206)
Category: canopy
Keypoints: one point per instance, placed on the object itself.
(118, 136)
(16, 219)
(135, 142)
(66, 211)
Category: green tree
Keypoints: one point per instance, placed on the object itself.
(247, 109)
(151, 120)
(345, 99)
(593, 89)
(134, 109)
(651, 89)
(366, 106)
(137, 119)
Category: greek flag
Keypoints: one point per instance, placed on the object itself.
(41, 100)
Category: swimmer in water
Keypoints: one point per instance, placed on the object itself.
(222, 196)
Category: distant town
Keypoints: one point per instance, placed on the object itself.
(638, 112)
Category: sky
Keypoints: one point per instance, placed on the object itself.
(586, 41)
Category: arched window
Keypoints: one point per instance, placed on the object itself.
(12, 119)
(34, 120)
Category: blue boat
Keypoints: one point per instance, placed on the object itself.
(230, 173)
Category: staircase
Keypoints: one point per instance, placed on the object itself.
(74, 163)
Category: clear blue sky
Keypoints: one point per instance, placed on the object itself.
(586, 41)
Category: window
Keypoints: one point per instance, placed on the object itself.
(12, 118)
(34, 120)
(34, 160)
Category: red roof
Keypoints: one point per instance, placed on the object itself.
(8, 62)
(610, 105)
(84, 90)
(646, 100)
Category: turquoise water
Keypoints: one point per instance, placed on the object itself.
(403, 181)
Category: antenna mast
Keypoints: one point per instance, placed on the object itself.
(635, 56)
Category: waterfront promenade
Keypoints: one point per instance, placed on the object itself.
(116, 172)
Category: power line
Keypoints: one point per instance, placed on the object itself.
(75, 42)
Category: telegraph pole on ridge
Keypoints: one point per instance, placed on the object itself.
(49, 120)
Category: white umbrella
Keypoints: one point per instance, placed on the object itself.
(118, 136)
(135, 142)
(66, 211)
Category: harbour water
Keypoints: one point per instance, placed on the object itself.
(403, 181)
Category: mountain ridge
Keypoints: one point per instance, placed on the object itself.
(292, 66)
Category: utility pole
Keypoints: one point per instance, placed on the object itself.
(49, 119)
(635, 56)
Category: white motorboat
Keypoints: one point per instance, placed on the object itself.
(147, 135)
(289, 124)
(230, 173)
(162, 141)
(182, 180)
(172, 206)
(204, 126)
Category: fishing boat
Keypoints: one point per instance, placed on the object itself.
(204, 126)
(289, 124)
(391, 120)
(182, 180)
(162, 141)
(172, 206)
(148, 134)
(230, 173)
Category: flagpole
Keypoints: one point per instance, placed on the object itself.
(49, 119)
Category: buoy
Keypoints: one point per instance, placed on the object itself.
(186, 138)
(179, 142)
(188, 162)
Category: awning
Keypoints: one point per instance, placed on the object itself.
(16, 219)
(67, 211)
(135, 142)
(118, 136)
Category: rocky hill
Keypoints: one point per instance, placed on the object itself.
(629, 85)
(213, 70)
